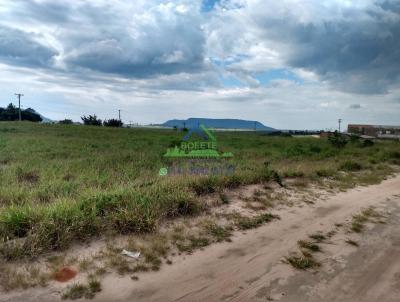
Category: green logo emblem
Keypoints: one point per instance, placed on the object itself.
(163, 172)
(206, 148)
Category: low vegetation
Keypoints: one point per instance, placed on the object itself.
(246, 223)
(318, 237)
(302, 261)
(62, 183)
(78, 291)
(311, 246)
(113, 123)
(352, 242)
(359, 220)
(11, 113)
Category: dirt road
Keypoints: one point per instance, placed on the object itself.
(251, 269)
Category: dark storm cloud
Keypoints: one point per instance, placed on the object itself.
(393, 6)
(356, 51)
(354, 47)
(20, 48)
(51, 12)
(358, 57)
(169, 50)
(138, 41)
(172, 43)
(124, 42)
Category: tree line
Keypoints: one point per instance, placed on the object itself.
(11, 113)
(92, 120)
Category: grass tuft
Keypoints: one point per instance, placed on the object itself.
(352, 242)
(302, 262)
(78, 291)
(359, 220)
(318, 237)
(246, 223)
(309, 245)
(351, 166)
(218, 232)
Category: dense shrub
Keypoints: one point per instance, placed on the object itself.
(11, 113)
(113, 123)
(354, 138)
(66, 122)
(91, 120)
(367, 143)
(394, 154)
(337, 140)
(394, 157)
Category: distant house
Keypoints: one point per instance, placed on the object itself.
(379, 131)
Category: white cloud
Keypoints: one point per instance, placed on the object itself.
(158, 60)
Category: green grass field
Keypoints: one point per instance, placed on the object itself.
(64, 183)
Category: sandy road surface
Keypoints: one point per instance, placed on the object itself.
(250, 268)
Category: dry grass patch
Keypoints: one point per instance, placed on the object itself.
(368, 215)
(302, 261)
(87, 291)
(352, 242)
(246, 223)
(313, 247)
(22, 277)
(318, 237)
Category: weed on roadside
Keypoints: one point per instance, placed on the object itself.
(246, 223)
(309, 245)
(220, 233)
(352, 242)
(302, 262)
(78, 291)
(359, 220)
(318, 237)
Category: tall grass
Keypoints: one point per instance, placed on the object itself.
(60, 183)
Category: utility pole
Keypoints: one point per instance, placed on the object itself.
(340, 121)
(119, 114)
(19, 104)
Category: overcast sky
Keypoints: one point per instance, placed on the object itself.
(288, 64)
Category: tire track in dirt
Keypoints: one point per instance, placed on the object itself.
(256, 256)
(250, 267)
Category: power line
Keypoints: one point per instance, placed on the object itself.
(19, 104)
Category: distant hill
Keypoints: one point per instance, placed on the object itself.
(218, 123)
